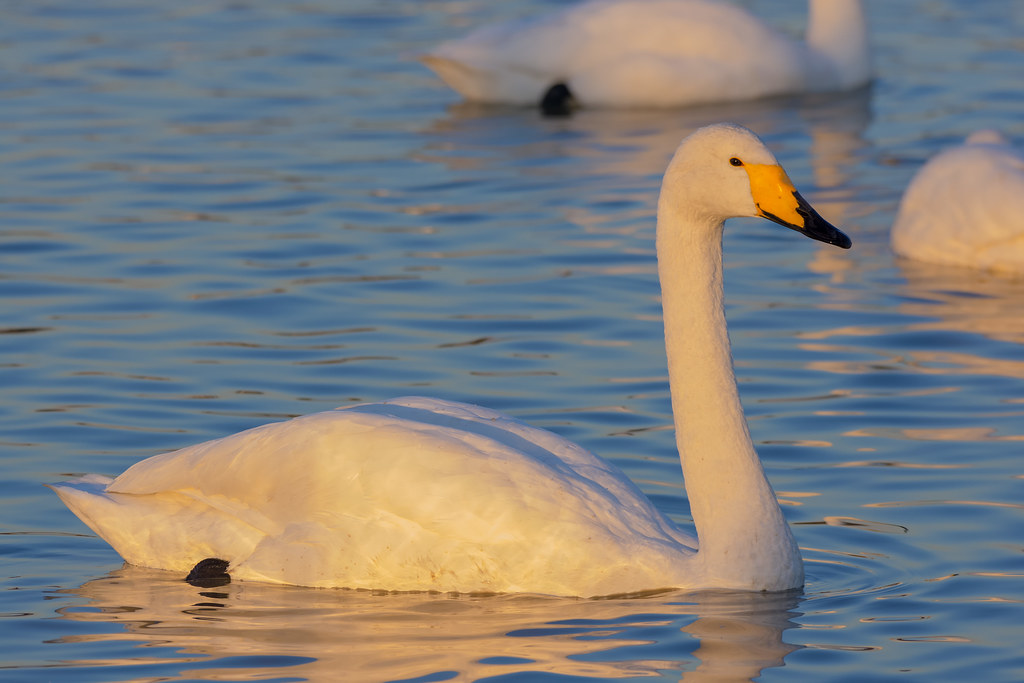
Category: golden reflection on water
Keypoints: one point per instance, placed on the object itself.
(364, 636)
(965, 300)
(932, 299)
(971, 434)
(929, 503)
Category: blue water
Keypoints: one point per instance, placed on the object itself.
(218, 214)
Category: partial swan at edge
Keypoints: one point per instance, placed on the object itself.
(965, 207)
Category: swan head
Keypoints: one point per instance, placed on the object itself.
(725, 171)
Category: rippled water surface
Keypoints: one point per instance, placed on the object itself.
(218, 214)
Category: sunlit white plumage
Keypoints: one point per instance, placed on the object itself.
(656, 53)
(965, 207)
(425, 494)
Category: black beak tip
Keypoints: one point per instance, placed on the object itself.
(827, 233)
(841, 240)
(818, 228)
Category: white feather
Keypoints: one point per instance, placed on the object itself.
(965, 207)
(656, 53)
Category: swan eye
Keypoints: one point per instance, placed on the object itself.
(735, 162)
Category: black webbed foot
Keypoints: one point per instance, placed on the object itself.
(209, 573)
(558, 101)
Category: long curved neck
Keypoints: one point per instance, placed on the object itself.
(837, 30)
(743, 536)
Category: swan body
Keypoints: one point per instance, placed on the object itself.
(425, 494)
(656, 53)
(965, 207)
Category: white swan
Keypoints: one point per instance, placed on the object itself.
(965, 207)
(655, 53)
(424, 494)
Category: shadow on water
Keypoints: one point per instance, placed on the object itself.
(320, 634)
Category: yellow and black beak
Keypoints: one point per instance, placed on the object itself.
(777, 200)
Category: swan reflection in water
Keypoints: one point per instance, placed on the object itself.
(321, 634)
(619, 144)
(953, 321)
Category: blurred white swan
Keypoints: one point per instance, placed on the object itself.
(425, 494)
(655, 53)
(965, 207)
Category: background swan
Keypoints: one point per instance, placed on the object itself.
(418, 493)
(656, 53)
(965, 207)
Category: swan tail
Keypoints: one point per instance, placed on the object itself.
(462, 78)
(86, 497)
(476, 82)
(137, 526)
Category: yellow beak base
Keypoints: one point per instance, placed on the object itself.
(774, 194)
(777, 200)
